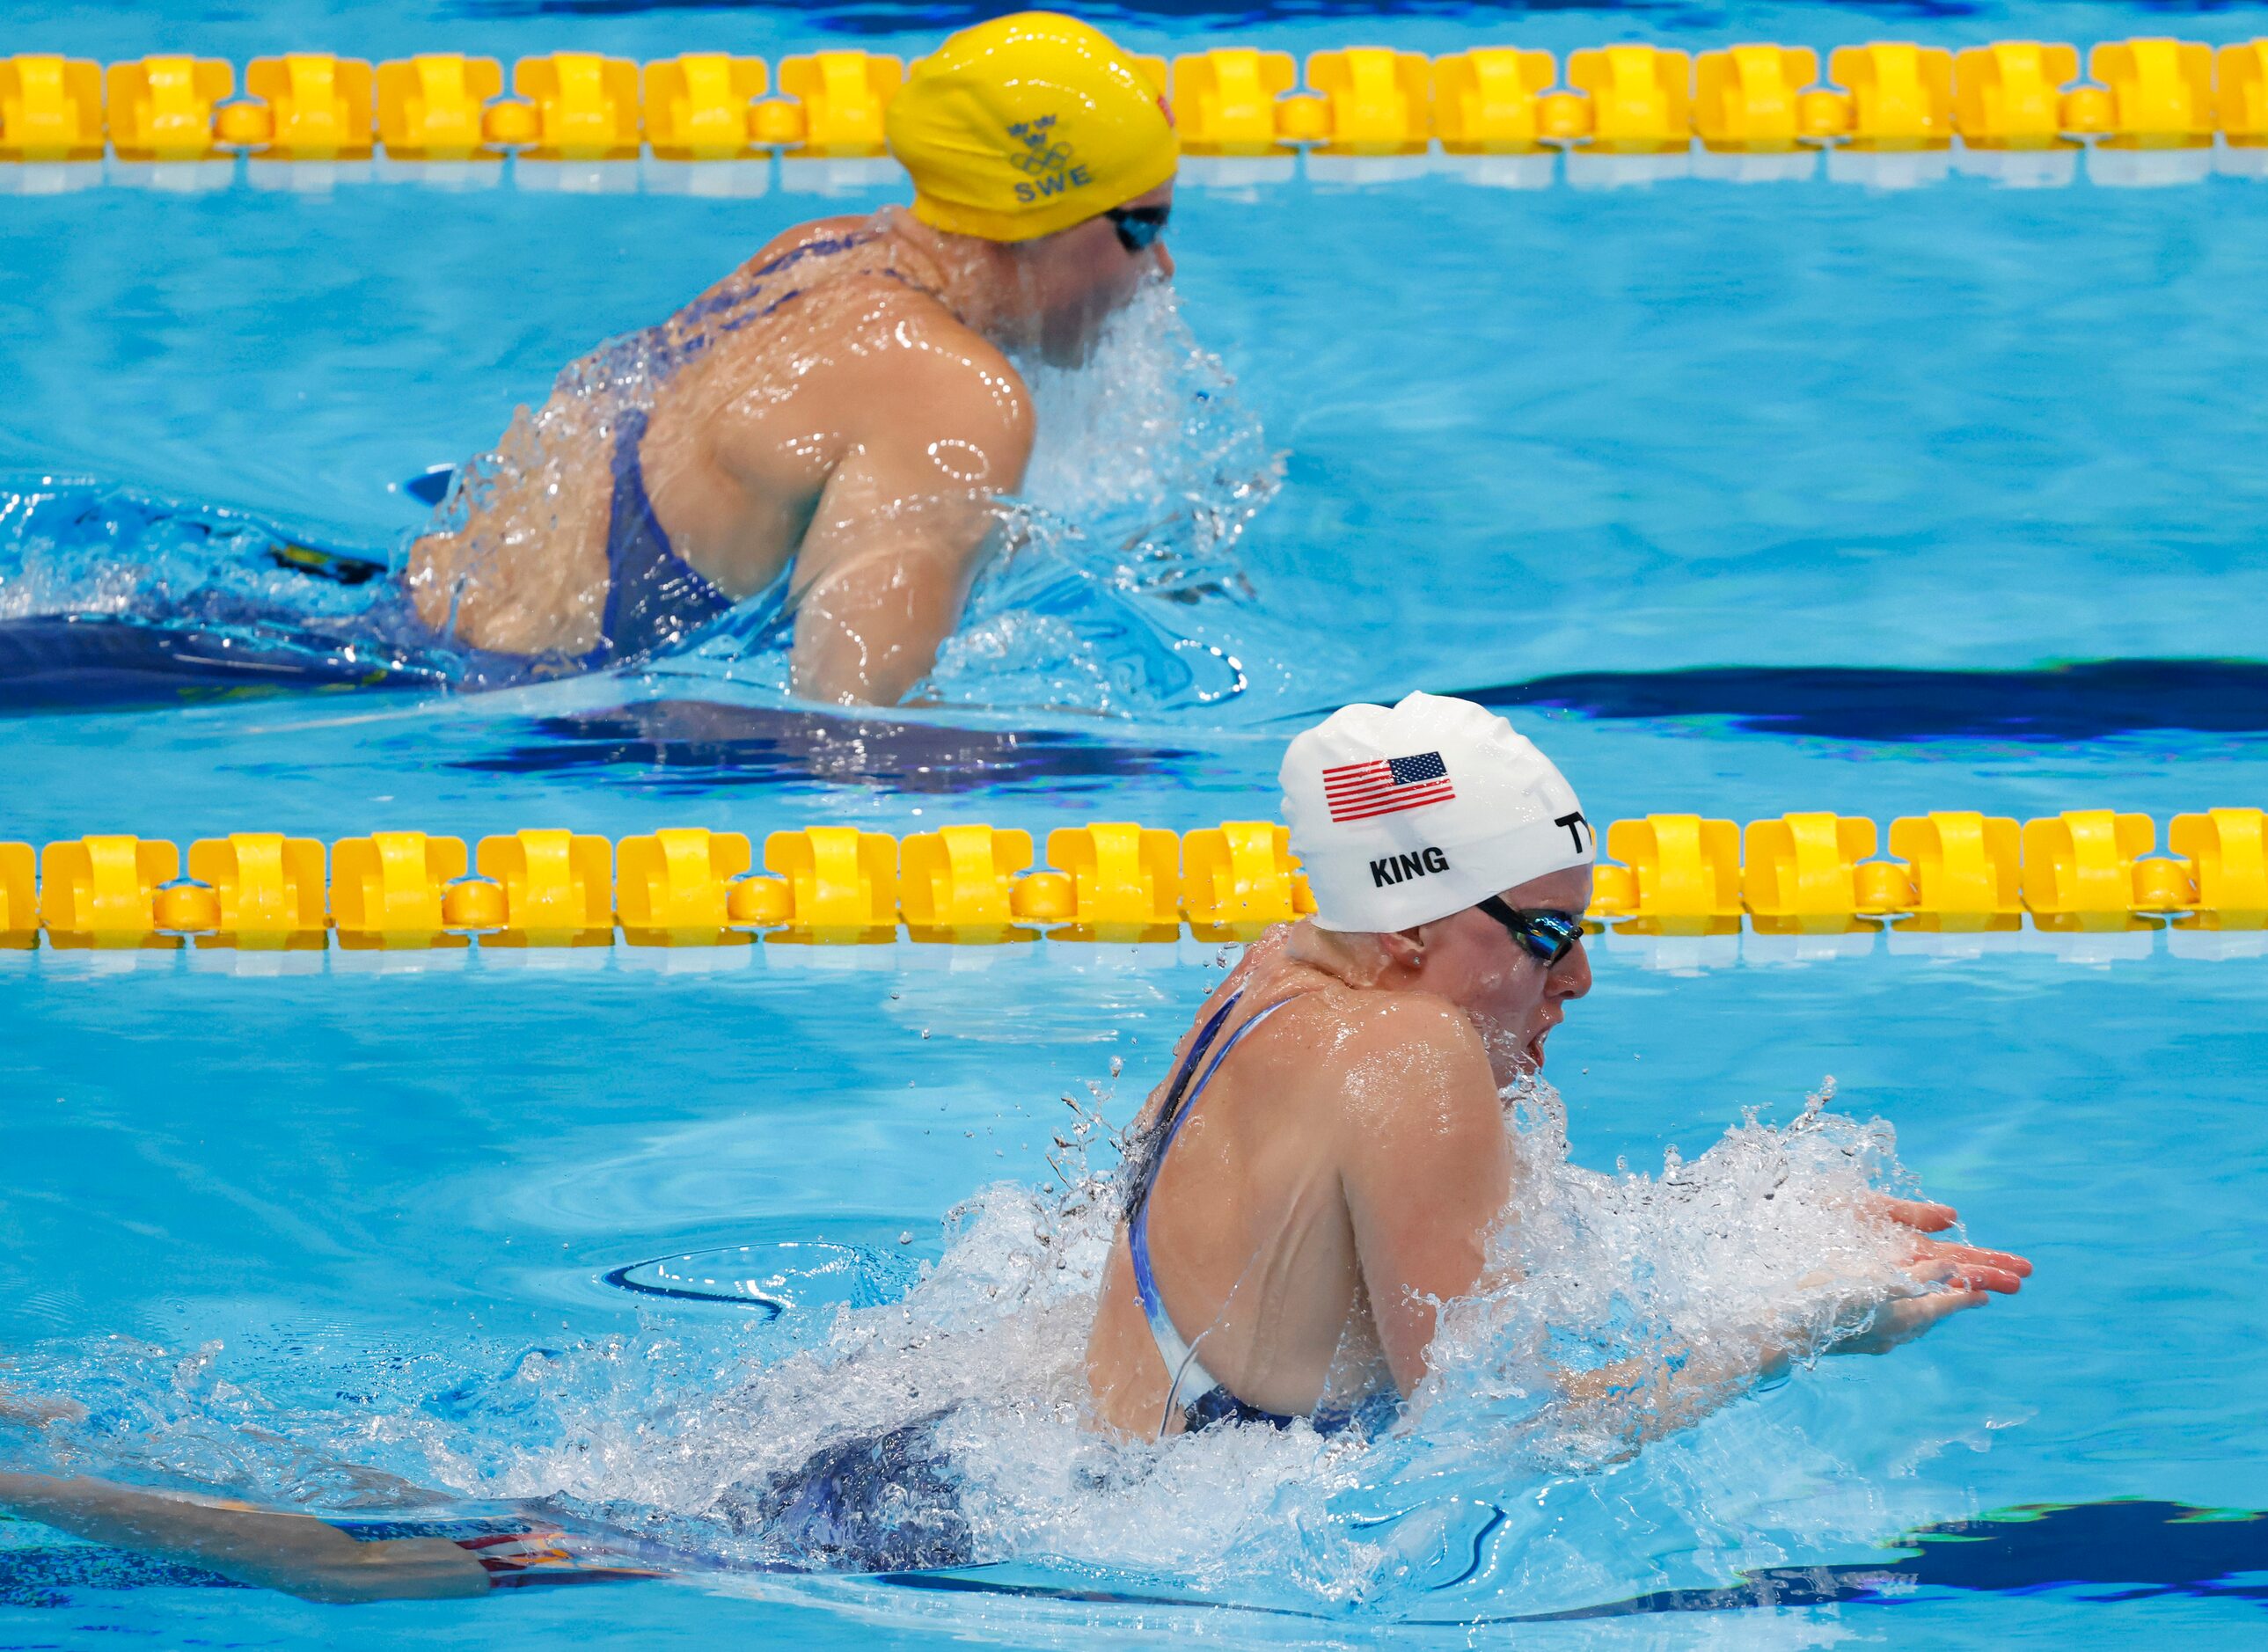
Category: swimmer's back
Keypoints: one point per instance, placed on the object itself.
(839, 353)
(1333, 1161)
(789, 403)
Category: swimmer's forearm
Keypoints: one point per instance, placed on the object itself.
(37, 1413)
(296, 1553)
(1680, 1389)
(1650, 1399)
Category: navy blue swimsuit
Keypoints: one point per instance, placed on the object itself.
(655, 598)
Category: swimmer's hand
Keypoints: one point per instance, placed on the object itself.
(1971, 1271)
(1970, 1266)
(1905, 1317)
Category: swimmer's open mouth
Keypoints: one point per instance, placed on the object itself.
(1534, 1050)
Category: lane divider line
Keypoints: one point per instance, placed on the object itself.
(2154, 92)
(1798, 874)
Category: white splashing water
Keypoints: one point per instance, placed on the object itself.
(1147, 471)
(1764, 1235)
(1765, 1239)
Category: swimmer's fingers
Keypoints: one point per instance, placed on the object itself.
(1967, 1276)
(2007, 1261)
(1917, 1214)
(1949, 1270)
(2003, 1271)
(1993, 1279)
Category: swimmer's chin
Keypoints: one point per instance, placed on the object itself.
(1513, 1062)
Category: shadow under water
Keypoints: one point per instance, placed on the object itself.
(2086, 701)
(697, 746)
(2138, 1549)
(89, 663)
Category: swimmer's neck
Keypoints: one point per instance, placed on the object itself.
(1364, 963)
(981, 283)
(1359, 961)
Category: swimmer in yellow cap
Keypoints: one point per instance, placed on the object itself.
(827, 432)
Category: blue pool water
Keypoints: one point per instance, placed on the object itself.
(1891, 459)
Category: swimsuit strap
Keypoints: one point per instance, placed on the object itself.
(1191, 1383)
(1170, 1111)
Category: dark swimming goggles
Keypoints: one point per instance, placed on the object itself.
(1138, 227)
(1549, 935)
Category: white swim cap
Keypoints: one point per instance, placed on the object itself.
(1407, 815)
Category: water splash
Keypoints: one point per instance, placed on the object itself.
(1117, 587)
(1112, 591)
(1765, 1240)
(76, 547)
(1494, 1490)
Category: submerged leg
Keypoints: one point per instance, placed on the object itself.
(878, 1502)
(296, 1553)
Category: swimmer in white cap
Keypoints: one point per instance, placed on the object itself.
(1296, 1215)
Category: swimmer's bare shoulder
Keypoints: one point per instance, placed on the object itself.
(923, 372)
(906, 343)
(813, 233)
(887, 394)
(1404, 1083)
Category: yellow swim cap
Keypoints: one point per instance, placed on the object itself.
(1027, 125)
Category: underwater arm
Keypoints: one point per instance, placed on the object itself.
(1643, 1400)
(524, 571)
(296, 1553)
(885, 565)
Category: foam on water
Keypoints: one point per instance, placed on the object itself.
(73, 546)
(1495, 1489)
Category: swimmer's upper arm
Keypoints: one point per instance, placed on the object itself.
(942, 427)
(1424, 1164)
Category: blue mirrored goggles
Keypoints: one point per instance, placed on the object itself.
(1549, 935)
(1138, 227)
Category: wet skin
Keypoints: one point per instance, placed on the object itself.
(1346, 1170)
(859, 431)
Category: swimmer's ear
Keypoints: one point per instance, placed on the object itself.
(1405, 947)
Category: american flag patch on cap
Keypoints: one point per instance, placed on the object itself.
(1386, 785)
